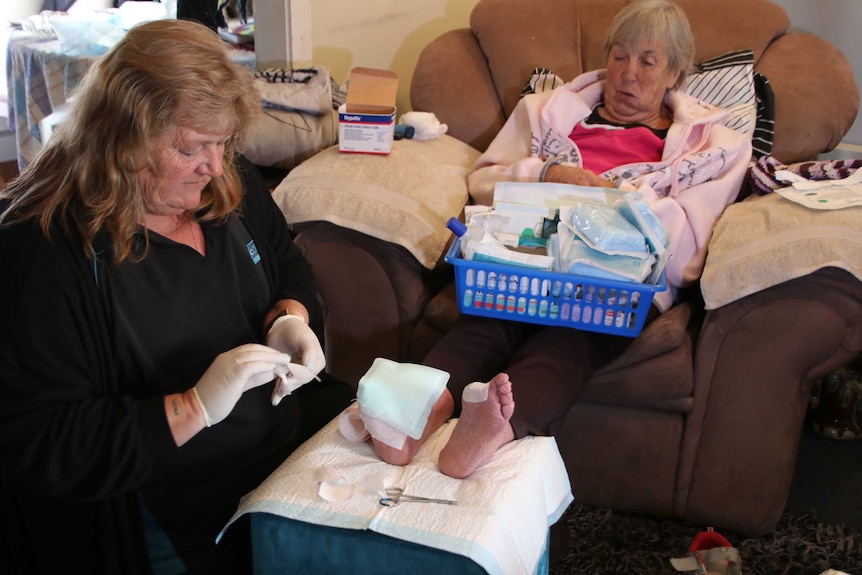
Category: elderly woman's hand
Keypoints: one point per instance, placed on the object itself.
(560, 174)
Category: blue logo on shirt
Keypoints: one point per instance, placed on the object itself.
(252, 251)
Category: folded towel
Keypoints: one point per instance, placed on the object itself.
(766, 240)
(404, 198)
(500, 522)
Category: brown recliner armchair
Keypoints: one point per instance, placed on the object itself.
(701, 418)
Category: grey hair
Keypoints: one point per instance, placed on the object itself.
(662, 22)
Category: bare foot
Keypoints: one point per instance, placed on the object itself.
(441, 411)
(481, 430)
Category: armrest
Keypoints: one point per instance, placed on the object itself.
(372, 293)
(816, 96)
(755, 363)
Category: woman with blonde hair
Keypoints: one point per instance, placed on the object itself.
(155, 343)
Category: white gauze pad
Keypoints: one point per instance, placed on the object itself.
(400, 396)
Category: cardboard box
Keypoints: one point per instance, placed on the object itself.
(366, 121)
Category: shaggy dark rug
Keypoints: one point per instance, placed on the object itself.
(605, 542)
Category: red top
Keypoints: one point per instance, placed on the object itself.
(605, 145)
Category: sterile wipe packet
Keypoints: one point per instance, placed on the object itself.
(604, 228)
(574, 256)
(638, 212)
(635, 209)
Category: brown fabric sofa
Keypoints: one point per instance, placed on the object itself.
(701, 418)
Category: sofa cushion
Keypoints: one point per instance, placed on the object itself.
(442, 311)
(655, 371)
(405, 197)
(766, 240)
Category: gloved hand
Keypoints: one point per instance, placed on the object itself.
(291, 335)
(234, 372)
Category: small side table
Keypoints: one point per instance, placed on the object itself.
(499, 526)
(281, 545)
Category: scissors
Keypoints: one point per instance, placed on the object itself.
(396, 495)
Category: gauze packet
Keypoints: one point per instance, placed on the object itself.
(604, 228)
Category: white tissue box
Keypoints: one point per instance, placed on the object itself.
(366, 122)
(365, 133)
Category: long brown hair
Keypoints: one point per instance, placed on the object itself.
(161, 75)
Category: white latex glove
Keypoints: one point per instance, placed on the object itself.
(234, 372)
(291, 335)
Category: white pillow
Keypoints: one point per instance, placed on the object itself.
(405, 197)
(727, 81)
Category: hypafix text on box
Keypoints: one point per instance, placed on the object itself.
(366, 121)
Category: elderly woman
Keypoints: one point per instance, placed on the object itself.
(152, 298)
(626, 126)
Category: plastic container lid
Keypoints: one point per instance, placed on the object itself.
(458, 227)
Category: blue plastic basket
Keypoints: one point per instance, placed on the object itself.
(535, 296)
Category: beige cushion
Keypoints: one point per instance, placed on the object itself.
(767, 240)
(405, 197)
(283, 138)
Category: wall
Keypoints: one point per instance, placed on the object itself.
(390, 33)
(839, 22)
(386, 34)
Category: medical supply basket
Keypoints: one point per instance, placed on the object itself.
(536, 296)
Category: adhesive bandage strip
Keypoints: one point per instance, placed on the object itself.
(383, 432)
(476, 392)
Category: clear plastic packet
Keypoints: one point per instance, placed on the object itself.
(574, 256)
(605, 229)
(635, 209)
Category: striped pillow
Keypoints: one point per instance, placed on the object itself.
(727, 81)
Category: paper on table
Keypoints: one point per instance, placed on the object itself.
(822, 194)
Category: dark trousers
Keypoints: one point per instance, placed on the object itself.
(548, 366)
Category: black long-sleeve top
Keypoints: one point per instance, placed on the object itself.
(87, 353)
